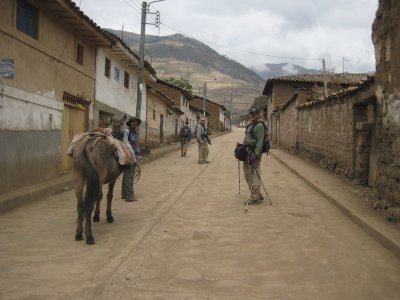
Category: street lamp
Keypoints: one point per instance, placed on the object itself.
(230, 119)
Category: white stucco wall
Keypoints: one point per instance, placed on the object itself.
(112, 92)
(23, 110)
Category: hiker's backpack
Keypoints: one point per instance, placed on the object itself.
(240, 152)
(186, 132)
(266, 146)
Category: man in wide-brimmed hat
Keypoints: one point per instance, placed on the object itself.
(131, 136)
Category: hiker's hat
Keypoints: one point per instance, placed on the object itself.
(254, 110)
(131, 119)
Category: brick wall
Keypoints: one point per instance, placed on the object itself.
(386, 32)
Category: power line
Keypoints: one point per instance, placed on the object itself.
(239, 50)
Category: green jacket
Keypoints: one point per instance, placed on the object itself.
(254, 142)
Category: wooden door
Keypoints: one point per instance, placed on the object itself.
(73, 122)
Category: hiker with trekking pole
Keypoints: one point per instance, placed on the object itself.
(255, 143)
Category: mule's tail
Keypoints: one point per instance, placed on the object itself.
(92, 180)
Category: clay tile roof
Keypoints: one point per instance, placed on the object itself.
(348, 79)
(370, 79)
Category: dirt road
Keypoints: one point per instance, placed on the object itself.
(188, 237)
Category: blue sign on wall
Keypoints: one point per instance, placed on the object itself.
(7, 68)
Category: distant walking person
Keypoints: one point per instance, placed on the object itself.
(253, 140)
(185, 135)
(202, 141)
(130, 134)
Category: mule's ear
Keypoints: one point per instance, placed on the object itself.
(120, 122)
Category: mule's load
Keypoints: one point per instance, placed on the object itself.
(123, 150)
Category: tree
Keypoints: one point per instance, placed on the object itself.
(182, 83)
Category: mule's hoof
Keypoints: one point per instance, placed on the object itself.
(90, 240)
(96, 218)
(78, 237)
(110, 219)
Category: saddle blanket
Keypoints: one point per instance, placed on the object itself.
(124, 151)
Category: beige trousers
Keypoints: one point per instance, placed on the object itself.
(203, 152)
(252, 179)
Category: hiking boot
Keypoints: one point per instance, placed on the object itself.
(131, 199)
(253, 201)
(206, 161)
(202, 163)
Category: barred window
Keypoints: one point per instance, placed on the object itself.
(79, 53)
(27, 18)
(107, 67)
(126, 80)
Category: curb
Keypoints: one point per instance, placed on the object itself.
(373, 232)
(29, 194)
(17, 199)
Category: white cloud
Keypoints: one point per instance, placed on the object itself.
(308, 29)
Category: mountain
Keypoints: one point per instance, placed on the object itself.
(275, 70)
(182, 57)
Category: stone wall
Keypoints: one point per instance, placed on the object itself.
(386, 38)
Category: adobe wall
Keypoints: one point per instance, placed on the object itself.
(325, 135)
(288, 130)
(386, 39)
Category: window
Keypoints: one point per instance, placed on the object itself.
(126, 80)
(116, 74)
(107, 67)
(79, 53)
(27, 18)
(154, 114)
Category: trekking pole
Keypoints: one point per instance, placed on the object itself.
(239, 174)
(265, 190)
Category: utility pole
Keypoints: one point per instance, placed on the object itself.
(343, 64)
(140, 83)
(141, 62)
(230, 117)
(324, 75)
(204, 99)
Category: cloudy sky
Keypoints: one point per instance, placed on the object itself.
(256, 32)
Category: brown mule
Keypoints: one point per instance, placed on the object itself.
(94, 164)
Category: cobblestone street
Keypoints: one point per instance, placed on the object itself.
(188, 237)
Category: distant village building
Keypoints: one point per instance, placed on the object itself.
(181, 100)
(161, 116)
(219, 118)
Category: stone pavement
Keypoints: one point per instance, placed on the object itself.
(350, 198)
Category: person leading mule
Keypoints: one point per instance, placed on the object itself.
(130, 134)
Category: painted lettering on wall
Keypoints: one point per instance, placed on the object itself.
(7, 68)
